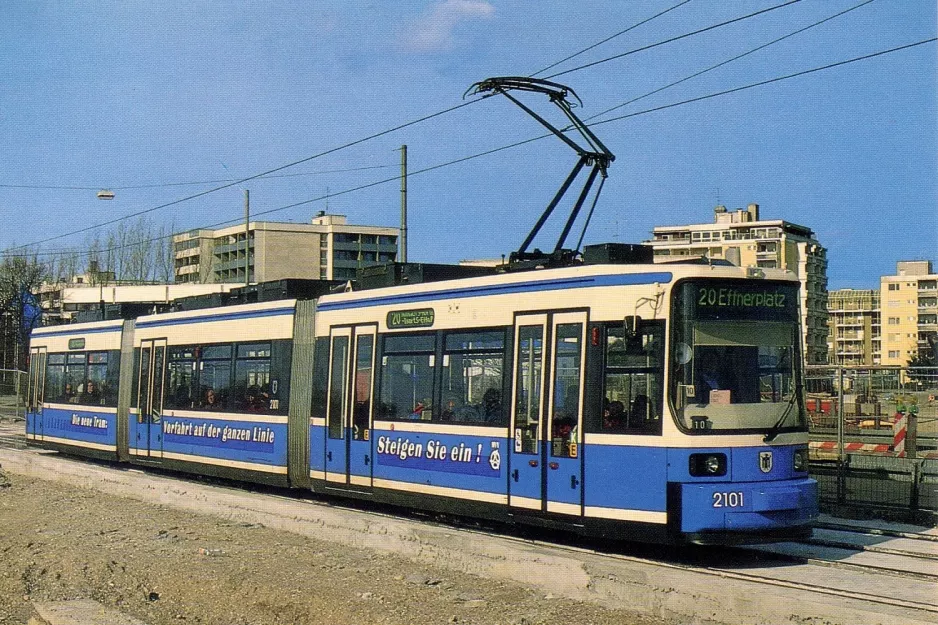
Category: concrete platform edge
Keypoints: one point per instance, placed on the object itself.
(662, 592)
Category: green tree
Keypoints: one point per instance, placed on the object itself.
(923, 367)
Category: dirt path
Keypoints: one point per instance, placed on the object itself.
(168, 567)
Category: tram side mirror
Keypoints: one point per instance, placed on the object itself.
(630, 325)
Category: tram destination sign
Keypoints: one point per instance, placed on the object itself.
(742, 300)
(420, 318)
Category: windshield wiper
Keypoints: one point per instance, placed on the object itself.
(777, 428)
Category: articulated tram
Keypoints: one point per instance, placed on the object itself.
(653, 402)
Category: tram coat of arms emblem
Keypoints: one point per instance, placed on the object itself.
(765, 461)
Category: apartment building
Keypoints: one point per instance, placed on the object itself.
(909, 303)
(855, 328)
(742, 238)
(328, 248)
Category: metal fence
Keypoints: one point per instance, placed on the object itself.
(874, 441)
(895, 489)
(12, 394)
(856, 409)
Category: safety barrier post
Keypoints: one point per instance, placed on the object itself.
(899, 433)
(840, 416)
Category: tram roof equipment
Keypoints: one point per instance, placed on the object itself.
(595, 155)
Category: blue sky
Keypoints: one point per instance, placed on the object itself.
(121, 94)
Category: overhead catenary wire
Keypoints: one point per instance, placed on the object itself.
(762, 83)
(372, 167)
(519, 143)
(598, 123)
(609, 38)
(157, 185)
(730, 60)
(358, 141)
(249, 178)
(673, 39)
(313, 173)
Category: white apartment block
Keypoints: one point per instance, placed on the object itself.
(742, 238)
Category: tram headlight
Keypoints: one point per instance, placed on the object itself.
(800, 462)
(707, 465)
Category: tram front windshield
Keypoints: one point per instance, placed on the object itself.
(735, 360)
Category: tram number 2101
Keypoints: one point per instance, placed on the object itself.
(728, 500)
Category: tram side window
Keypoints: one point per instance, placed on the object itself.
(252, 389)
(407, 367)
(214, 377)
(472, 378)
(361, 412)
(101, 381)
(181, 393)
(528, 372)
(566, 401)
(74, 377)
(320, 378)
(55, 379)
(633, 379)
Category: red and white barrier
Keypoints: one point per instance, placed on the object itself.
(899, 430)
(869, 448)
(863, 448)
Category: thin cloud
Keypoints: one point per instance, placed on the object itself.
(433, 31)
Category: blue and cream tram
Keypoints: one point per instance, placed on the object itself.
(651, 402)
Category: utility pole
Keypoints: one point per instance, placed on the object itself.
(247, 237)
(402, 249)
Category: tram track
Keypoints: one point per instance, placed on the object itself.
(876, 531)
(893, 571)
(728, 573)
(765, 580)
(873, 549)
(896, 553)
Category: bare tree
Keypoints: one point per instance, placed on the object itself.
(137, 251)
(166, 257)
(68, 266)
(140, 240)
(93, 268)
(121, 251)
(20, 279)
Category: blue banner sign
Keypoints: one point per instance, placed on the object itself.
(435, 455)
(249, 437)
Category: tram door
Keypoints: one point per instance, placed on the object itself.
(349, 409)
(546, 464)
(35, 393)
(151, 378)
(525, 479)
(565, 414)
(361, 411)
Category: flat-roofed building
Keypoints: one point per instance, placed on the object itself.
(328, 248)
(742, 238)
(855, 329)
(65, 302)
(909, 311)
